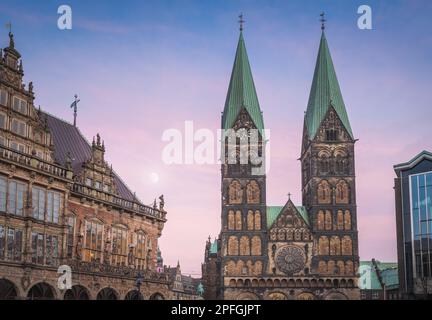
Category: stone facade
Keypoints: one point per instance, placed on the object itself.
(287, 252)
(61, 203)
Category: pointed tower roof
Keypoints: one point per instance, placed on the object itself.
(325, 92)
(241, 91)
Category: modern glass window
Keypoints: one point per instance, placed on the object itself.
(2, 121)
(38, 242)
(3, 97)
(70, 235)
(16, 198)
(18, 127)
(38, 203)
(54, 200)
(93, 241)
(3, 188)
(19, 105)
(119, 246)
(421, 219)
(51, 250)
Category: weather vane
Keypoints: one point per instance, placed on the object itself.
(9, 26)
(322, 20)
(241, 21)
(75, 106)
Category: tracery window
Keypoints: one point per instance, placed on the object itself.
(323, 245)
(233, 246)
(93, 241)
(250, 220)
(349, 268)
(347, 220)
(320, 220)
(231, 220)
(256, 246)
(322, 267)
(16, 197)
(340, 220)
(52, 253)
(244, 246)
(235, 193)
(11, 243)
(119, 246)
(140, 252)
(257, 220)
(331, 267)
(324, 192)
(328, 220)
(70, 221)
(342, 192)
(238, 220)
(340, 268)
(346, 245)
(335, 246)
(253, 192)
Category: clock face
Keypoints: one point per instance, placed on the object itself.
(290, 259)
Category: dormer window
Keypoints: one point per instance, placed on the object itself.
(3, 97)
(19, 105)
(331, 135)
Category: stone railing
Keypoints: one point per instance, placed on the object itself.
(118, 201)
(36, 163)
(102, 269)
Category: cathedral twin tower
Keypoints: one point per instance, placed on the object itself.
(287, 252)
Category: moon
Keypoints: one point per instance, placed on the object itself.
(154, 177)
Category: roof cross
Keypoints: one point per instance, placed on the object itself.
(322, 20)
(241, 21)
(289, 195)
(9, 26)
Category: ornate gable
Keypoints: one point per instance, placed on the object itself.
(290, 225)
(332, 129)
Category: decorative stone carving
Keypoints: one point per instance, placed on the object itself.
(290, 259)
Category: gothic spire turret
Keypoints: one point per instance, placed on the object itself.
(325, 92)
(241, 91)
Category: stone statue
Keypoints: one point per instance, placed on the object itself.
(161, 203)
(200, 289)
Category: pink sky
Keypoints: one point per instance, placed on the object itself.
(135, 81)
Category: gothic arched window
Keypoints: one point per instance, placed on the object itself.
(347, 220)
(235, 193)
(320, 220)
(340, 267)
(257, 220)
(328, 220)
(231, 220)
(342, 192)
(324, 192)
(244, 246)
(238, 220)
(347, 246)
(340, 220)
(233, 246)
(323, 245)
(250, 220)
(335, 246)
(349, 268)
(331, 267)
(253, 192)
(256, 246)
(322, 267)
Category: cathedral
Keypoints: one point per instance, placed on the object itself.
(292, 251)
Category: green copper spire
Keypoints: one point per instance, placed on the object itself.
(325, 92)
(241, 91)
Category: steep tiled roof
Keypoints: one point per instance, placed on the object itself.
(241, 91)
(325, 92)
(68, 138)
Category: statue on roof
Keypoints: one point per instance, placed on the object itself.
(200, 289)
(161, 202)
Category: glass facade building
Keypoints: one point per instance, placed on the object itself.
(413, 194)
